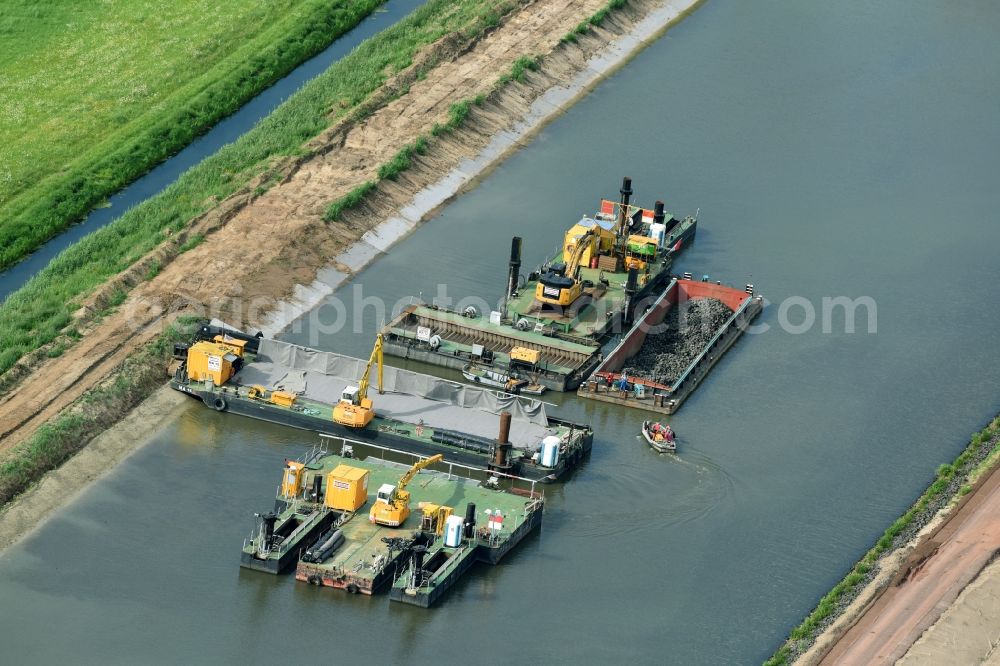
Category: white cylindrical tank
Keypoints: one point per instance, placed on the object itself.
(550, 451)
(658, 230)
(453, 531)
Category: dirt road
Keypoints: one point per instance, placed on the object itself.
(965, 545)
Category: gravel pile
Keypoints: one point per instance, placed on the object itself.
(686, 330)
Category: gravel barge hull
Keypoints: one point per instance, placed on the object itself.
(635, 375)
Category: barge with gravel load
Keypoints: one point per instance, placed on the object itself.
(673, 345)
(275, 381)
(553, 321)
(330, 521)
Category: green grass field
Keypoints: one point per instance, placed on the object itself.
(95, 93)
(40, 311)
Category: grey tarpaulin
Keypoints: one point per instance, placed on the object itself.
(409, 396)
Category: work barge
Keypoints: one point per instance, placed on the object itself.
(554, 320)
(232, 372)
(324, 523)
(614, 382)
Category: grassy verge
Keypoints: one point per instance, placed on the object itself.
(596, 19)
(403, 160)
(458, 113)
(95, 411)
(95, 94)
(950, 482)
(38, 313)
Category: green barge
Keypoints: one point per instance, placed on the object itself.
(275, 381)
(328, 501)
(555, 319)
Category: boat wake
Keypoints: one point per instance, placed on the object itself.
(638, 495)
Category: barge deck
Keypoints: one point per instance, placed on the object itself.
(554, 320)
(417, 561)
(290, 385)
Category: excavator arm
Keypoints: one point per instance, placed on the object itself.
(375, 359)
(412, 472)
(573, 265)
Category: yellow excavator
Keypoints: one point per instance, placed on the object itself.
(355, 407)
(561, 284)
(392, 504)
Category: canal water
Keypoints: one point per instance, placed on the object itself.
(834, 149)
(225, 131)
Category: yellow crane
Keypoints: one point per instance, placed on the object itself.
(392, 504)
(561, 285)
(355, 407)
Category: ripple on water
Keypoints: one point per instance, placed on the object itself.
(651, 491)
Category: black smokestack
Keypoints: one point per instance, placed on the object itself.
(470, 520)
(658, 212)
(515, 265)
(269, 520)
(626, 191)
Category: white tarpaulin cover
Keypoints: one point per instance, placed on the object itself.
(409, 396)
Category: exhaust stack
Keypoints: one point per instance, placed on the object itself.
(501, 453)
(515, 266)
(658, 213)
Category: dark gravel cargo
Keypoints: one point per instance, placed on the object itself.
(686, 331)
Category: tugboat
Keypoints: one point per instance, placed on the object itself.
(501, 379)
(659, 436)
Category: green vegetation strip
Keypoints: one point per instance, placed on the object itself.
(950, 482)
(94, 412)
(403, 160)
(37, 314)
(597, 19)
(94, 95)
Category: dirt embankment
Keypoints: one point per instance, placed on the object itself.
(257, 248)
(929, 578)
(31, 509)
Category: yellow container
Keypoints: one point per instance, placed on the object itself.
(347, 488)
(282, 398)
(291, 482)
(208, 360)
(525, 355)
(232, 344)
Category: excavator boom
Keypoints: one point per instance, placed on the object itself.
(393, 505)
(412, 472)
(375, 359)
(573, 265)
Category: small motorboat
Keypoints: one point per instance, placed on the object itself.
(659, 436)
(500, 379)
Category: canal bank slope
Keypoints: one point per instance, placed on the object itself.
(248, 254)
(936, 562)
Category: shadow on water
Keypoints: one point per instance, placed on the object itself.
(225, 131)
